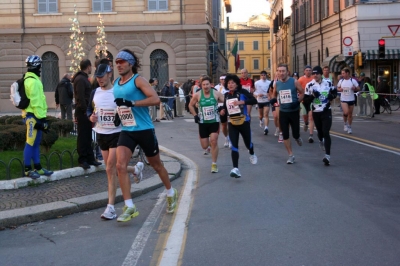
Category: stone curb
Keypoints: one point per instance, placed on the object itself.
(59, 209)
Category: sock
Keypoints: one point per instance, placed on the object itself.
(170, 192)
(129, 203)
(28, 168)
(327, 156)
(266, 127)
(110, 206)
(213, 163)
(37, 166)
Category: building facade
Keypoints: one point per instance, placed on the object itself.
(325, 31)
(254, 45)
(171, 38)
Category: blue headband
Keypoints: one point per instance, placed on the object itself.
(127, 57)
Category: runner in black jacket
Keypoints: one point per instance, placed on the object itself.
(235, 104)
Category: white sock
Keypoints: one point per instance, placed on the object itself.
(129, 203)
(170, 192)
(265, 127)
(110, 206)
(213, 163)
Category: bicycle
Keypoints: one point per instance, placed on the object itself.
(385, 105)
(138, 153)
(395, 102)
(168, 111)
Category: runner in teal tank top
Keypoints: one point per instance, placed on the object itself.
(208, 118)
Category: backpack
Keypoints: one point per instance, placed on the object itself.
(18, 95)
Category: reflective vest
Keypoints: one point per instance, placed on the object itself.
(371, 91)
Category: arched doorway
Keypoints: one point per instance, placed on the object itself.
(159, 67)
(50, 71)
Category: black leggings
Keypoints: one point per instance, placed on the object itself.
(234, 132)
(323, 123)
(291, 119)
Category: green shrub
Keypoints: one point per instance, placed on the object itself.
(49, 139)
(5, 140)
(3, 119)
(11, 119)
(63, 127)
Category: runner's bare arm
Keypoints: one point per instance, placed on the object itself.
(193, 102)
(152, 97)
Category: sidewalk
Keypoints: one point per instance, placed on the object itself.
(80, 192)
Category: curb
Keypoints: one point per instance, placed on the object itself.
(16, 217)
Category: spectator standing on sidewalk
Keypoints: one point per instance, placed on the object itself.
(133, 95)
(289, 93)
(82, 91)
(102, 112)
(187, 89)
(362, 101)
(64, 95)
(35, 118)
(153, 109)
(382, 89)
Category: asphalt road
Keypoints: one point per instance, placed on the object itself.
(276, 214)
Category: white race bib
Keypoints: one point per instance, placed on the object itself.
(262, 99)
(126, 116)
(208, 113)
(232, 109)
(285, 96)
(347, 91)
(105, 117)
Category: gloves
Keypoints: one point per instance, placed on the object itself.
(117, 120)
(42, 125)
(316, 94)
(332, 94)
(196, 119)
(273, 101)
(123, 102)
(220, 108)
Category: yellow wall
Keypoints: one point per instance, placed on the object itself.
(249, 54)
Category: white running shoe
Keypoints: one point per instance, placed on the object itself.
(322, 145)
(138, 175)
(290, 160)
(235, 173)
(299, 141)
(280, 138)
(226, 144)
(253, 159)
(327, 160)
(345, 128)
(349, 130)
(261, 123)
(207, 151)
(109, 214)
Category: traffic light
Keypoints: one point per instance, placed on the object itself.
(359, 59)
(381, 51)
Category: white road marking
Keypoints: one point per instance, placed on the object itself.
(141, 239)
(189, 120)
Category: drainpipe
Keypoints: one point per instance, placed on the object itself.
(341, 30)
(22, 26)
(320, 33)
(181, 10)
(305, 34)
(294, 40)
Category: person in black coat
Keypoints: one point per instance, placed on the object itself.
(64, 95)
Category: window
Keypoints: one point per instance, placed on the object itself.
(241, 64)
(326, 52)
(269, 45)
(304, 59)
(229, 46)
(50, 71)
(102, 5)
(158, 5)
(316, 11)
(255, 45)
(256, 64)
(241, 46)
(47, 6)
(269, 63)
(308, 13)
(159, 67)
(335, 6)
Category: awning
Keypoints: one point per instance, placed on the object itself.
(337, 66)
(389, 54)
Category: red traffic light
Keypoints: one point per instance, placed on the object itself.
(381, 42)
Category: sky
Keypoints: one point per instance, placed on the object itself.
(242, 10)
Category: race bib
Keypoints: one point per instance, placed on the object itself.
(232, 109)
(105, 117)
(262, 99)
(346, 91)
(208, 113)
(126, 116)
(285, 96)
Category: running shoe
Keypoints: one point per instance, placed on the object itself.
(299, 141)
(322, 145)
(138, 175)
(305, 127)
(109, 214)
(226, 144)
(44, 172)
(214, 168)
(266, 131)
(172, 202)
(345, 128)
(290, 160)
(32, 174)
(230, 144)
(280, 138)
(235, 173)
(253, 159)
(310, 139)
(127, 214)
(261, 123)
(349, 130)
(207, 151)
(327, 160)
(276, 132)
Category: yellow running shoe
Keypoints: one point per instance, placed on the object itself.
(214, 168)
(172, 202)
(128, 213)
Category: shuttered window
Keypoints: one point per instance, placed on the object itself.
(47, 6)
(256, 64)
(158, 5)
(255, 45)
(101, 6)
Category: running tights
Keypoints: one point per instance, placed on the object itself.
(234, 132)
(323, 123)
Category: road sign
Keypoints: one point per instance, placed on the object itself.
(393, 29)
(348, 50)
(347, 41)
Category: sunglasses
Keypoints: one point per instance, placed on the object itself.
(316, 74)
(119, 61)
